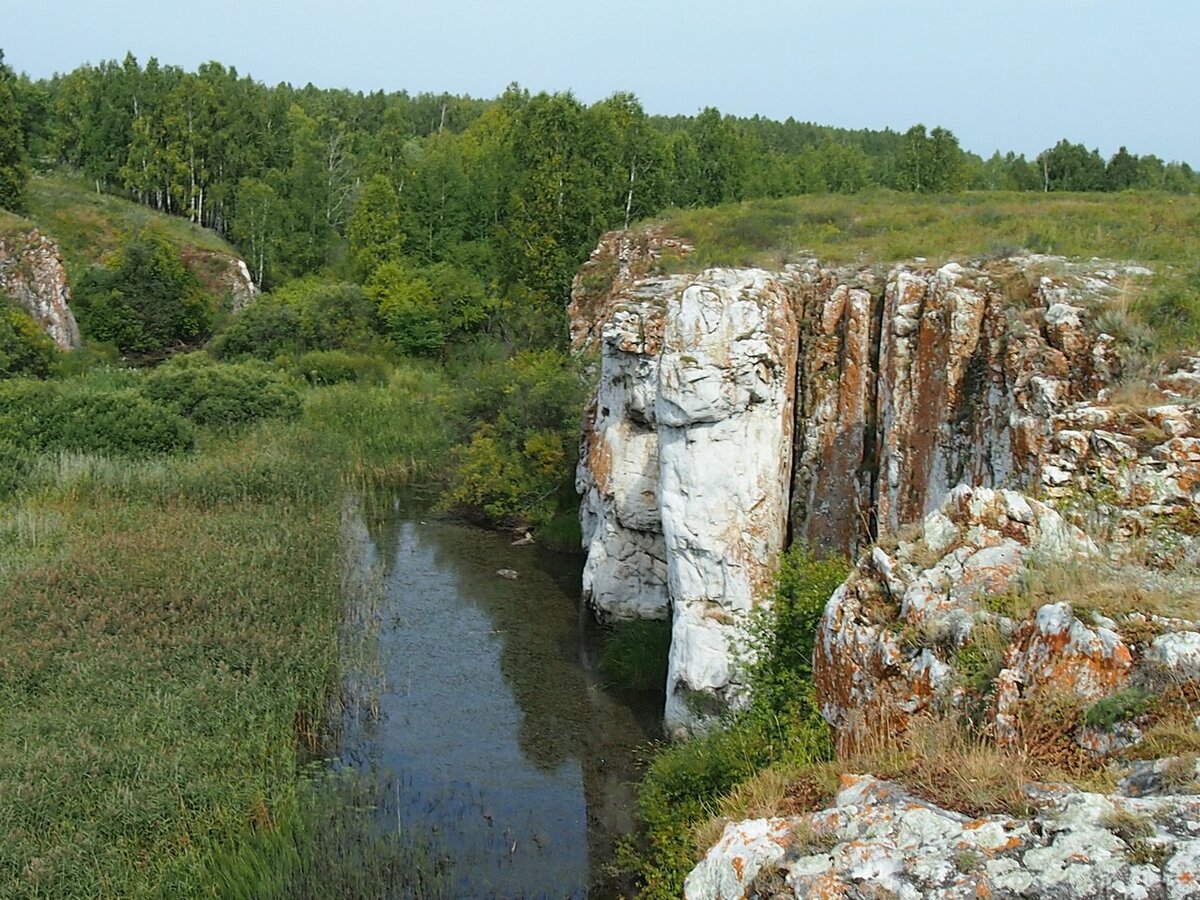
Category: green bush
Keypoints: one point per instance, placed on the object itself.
(77, 417)
(337, 366)
(525, 412)
(14, 463)
(330, 315)
(24, 348)
(1119, 707)
(264, 330)
(222, 395)
(685, 782)
(144, 301)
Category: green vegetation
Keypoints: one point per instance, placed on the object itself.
(523, 415)
(174, 619)
(885, 226)
(24, 348)
(511, 192)
(1119, 707)
(144, 301)
(89, 226)
(635, 654)
(781, 731)
(14, 164)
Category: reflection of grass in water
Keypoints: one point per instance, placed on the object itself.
(635, 654)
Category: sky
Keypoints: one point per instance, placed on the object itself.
(1016, 75)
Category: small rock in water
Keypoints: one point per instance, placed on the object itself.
(510, 574)
(523, 541)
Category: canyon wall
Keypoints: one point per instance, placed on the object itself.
(738, 408)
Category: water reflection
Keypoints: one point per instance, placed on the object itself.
(496, 725)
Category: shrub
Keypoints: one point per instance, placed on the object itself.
(782, 726)
(50, 417)
(517, 465)
(408, 310)
(1119, 707)
(264, 330)
(14, 463)
(144, 301)
(337, 366)
(24, 348)
(222, 395)
(329, 314)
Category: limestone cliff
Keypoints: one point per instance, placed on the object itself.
(32, 273)
(736, 407)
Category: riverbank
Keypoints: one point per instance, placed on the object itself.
(171, 627)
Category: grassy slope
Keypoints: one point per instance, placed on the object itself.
(883, 226)
(88, 225)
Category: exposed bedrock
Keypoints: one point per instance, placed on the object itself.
(736, 408)
(32, 273)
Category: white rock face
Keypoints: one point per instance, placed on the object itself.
(685, 468)
(32, 273)
(879, 840)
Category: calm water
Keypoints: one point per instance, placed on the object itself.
(497, 730)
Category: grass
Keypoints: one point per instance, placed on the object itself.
(884, 226)
(172, 644)
(88, 225)
(635, 654)
(1127, 592)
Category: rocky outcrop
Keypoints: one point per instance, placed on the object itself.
(889, 641)
(880, 841)
(223, 275)
(32, 274)
(685, 469)
(737, 407)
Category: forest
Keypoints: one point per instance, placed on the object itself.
(457, 214)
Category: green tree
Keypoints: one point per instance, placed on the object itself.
(144, 301)
(1071, 167)
(256, 224)
(930, 163)
(1121, 172)
(374, 232)
(720, 153)
(408, 309)
(14, 167)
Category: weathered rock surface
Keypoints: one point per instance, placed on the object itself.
(685, 466)
(906, 382)
(32, 273)
(887, 642)
(880, 841)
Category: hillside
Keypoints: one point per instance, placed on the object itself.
(88, 226)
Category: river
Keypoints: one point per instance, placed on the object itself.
(495, 724)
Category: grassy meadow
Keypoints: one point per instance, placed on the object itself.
(171, 652)
(886, 226)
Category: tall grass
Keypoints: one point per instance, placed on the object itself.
(170, 646)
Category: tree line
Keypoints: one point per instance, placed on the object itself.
(500, 198)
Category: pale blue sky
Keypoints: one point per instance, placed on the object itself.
(1011, 75)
